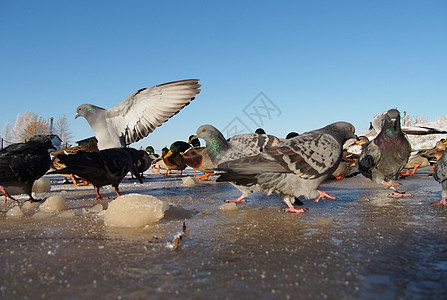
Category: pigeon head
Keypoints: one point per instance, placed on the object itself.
(88, 111)
(392, 120)
(208, 133)
(45, 141)
(343, 130)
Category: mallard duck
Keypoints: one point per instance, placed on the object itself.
(57, 165)
(174, 158)
(158, 162)
(198, 158)
(424, 158)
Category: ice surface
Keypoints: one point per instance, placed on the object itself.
(134, 210)
(28, 206)
(54, 203)
(228, 207)
(362, 246)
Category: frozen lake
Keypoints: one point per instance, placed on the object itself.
(364, 245)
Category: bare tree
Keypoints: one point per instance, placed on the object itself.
(37, 127)
(62, 129)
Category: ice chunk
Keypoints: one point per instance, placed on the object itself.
(42, 185)
(15, 212)
(28, 206)
(96, 209)
(190, 181)
(134, 210)
(228, 207)
(54, 203)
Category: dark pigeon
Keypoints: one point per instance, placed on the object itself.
(295, 167)
(139, 114)
(101, 168)
(440, 175)
(23, 163)
(384, 157)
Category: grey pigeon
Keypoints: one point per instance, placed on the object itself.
(440, 175)
(23, 163)
(221, 150)
(384, 157)
(296, 167)
(139, 114)
(101, 168)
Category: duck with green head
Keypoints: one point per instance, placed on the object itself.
(174, 158)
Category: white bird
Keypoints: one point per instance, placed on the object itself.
(139, 114)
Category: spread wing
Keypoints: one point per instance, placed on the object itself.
(308, 156)
(144, 110)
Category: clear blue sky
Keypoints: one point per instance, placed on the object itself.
(317, 61)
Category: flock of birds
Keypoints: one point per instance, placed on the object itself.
(293, 167)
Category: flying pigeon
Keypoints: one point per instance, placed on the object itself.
(384, 157)
(221, 150)
(139, 114)
(101, 168)
(295, 167)
(440, 175)
(23, 163)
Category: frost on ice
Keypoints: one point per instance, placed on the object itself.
(134, 210)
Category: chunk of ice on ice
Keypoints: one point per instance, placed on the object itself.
(54, 203)
(190, 181)
(134, 210)
(97, 208)
(228, 207)
(15, 212)
(42, 185)
(28, 206)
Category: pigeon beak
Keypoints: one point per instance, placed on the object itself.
(77, 115)
(168, 154)
(193, 138)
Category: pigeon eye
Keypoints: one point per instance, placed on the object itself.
(203, 130)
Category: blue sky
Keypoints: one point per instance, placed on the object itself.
(311, 62)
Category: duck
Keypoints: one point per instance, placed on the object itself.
(197, 158)
(173, 159)
(57, 165)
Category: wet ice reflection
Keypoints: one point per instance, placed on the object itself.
(363, 245)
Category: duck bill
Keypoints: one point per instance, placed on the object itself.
(168, 154)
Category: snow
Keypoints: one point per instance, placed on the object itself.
(15, 212)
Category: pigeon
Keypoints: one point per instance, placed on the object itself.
(384, 157)
(139, 114)
(295, 167)
(221, 150)
(101, 168)
(23, 163)
(56, 164)
(440, 175)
